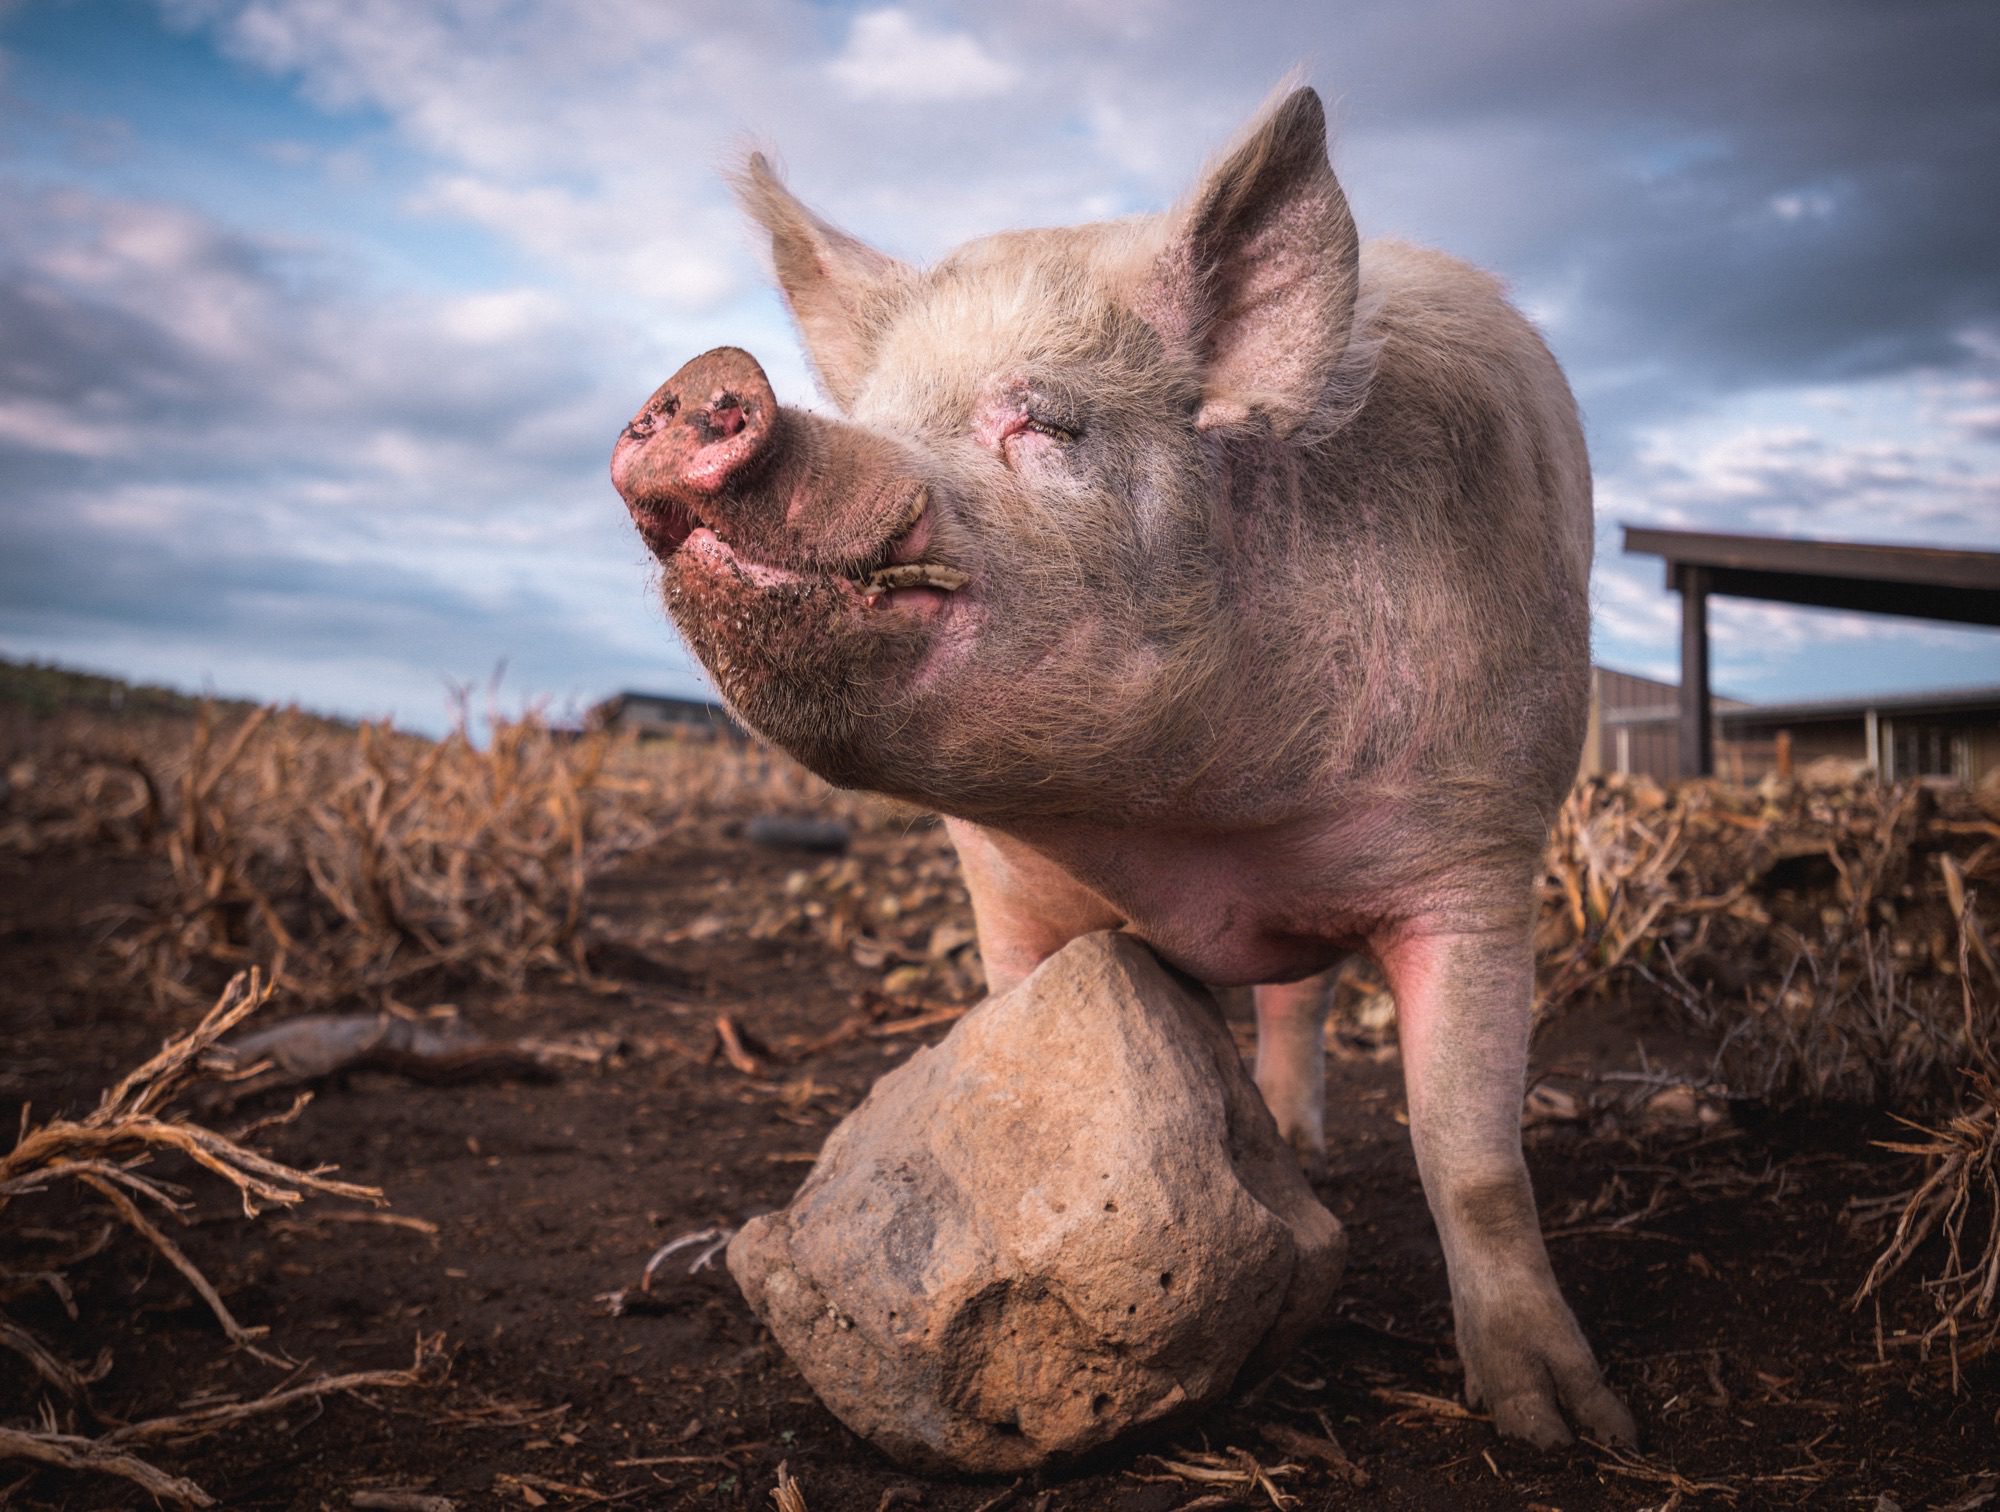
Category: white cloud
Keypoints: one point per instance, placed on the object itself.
(1966, 406)
(686, 261)
(358, 479)
(889, 56)
(39, 425)
(499, 317)
(1889, 460)
(1803, 204)
(1630, 605)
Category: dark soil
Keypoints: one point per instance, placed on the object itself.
(1710, 1263)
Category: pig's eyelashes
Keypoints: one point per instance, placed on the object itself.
(1006, 436)
(1050, 429)
(1041, 425)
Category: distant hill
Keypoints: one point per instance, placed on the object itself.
(45, 688)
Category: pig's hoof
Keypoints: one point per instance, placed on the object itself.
(1301, 1123)
(1310, 1147)
(1537, 1377)
(1306, 1134)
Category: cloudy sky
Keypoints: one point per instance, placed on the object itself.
(318, 317)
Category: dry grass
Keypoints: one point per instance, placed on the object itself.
(1836, 942)
(700, 777)
(917, 935)
(351, 862)
(1818, 932)
(365, 863)
(1957, 1201)
(106, 1153)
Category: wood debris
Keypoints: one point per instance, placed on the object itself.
(1236, 1468)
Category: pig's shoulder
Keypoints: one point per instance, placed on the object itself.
(1406, 285)
(1470, 418)
(1446, 329)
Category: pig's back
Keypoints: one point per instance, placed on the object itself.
(1459, 364)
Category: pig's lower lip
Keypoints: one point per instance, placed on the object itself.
(909, 587)
(899, 567)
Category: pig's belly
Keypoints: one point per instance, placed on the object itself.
(1232, 911)
(1240, 957)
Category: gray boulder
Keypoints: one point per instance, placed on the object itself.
(1070, 1221)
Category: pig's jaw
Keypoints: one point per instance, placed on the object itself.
(820, 662)
(663, 526)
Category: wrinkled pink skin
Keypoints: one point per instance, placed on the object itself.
(1271, 643)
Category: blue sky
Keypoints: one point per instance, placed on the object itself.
(318, 317)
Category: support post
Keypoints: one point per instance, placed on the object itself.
(1697, 742)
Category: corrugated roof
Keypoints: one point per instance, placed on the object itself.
(1934, 701)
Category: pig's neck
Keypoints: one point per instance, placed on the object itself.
(1340, 777)
(1314, 709)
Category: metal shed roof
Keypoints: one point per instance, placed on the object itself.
(1925, 581)
(1808, 711)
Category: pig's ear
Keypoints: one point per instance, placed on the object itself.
(1259, 277)
(841, 291)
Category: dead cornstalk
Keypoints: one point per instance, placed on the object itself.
(106, 1153)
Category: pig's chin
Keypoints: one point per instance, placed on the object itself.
(807, 658)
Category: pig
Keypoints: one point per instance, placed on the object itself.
(1218, 578)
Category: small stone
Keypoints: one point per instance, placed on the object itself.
(1071, 1220)
(1375, 1018)
(1547, 1105)
(786, 832)
(1682, 1106)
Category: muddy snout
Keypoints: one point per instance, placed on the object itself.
(707, 431)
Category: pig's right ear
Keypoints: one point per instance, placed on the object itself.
(842, 292)
(1259, 276)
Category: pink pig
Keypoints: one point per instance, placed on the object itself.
(1221, 579)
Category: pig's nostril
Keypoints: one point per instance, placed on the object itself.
(659, 407)
(725, 415)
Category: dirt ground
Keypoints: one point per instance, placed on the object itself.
(1709, 1262)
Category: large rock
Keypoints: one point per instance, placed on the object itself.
(1071, 1220)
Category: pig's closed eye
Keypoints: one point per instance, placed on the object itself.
(1033, 435)
(1050, 428)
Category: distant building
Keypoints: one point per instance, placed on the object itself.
(1923, 582)
(664, 716)
(1634, 725)
(1953, 732)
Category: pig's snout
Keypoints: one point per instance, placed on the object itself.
(704, 433)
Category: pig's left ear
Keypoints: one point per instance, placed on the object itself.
(842, 291)
(1259, 276)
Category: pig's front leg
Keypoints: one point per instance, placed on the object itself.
(1291, 1061)
(1024, 906)
(1462, 1006)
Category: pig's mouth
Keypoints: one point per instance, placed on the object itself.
(894, 575)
